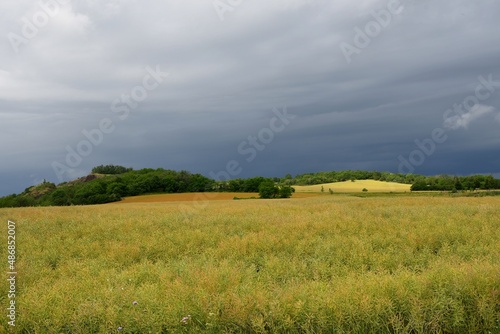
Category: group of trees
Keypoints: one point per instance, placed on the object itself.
(116, 184)
(250, 185)
(29, 197)
(266, 187)
(418, 182)
(110, 169)
(16, 201)
(455, 183)
(269, 189)
(112, 183)
(341, 176)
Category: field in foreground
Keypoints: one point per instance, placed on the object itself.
(328, 264)
(356, 186)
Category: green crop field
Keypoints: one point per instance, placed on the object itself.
(324, 264)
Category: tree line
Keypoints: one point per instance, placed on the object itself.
(111, 183)
(347, 175)
(418, 182)
(116, 184)
(455, 183)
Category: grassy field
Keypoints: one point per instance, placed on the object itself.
(325, 264)
(197, 197)
(356, 186)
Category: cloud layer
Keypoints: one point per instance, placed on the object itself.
(64, 63)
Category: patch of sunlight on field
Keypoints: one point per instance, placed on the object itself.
(356, 186)
(313, 265)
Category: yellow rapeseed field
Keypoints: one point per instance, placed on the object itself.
(196, 197)
(356, 186)
(325, 264)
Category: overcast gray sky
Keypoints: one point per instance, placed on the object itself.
(317, 85)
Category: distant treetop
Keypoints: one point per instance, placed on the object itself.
(110, 169)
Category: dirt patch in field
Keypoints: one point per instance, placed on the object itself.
(186, 197)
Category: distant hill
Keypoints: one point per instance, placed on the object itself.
(98, 188)
(417, 182)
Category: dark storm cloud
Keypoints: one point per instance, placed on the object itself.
(225, 78)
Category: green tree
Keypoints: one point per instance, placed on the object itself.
(419, 186)
(59, 198)
(23, 201)
(200, 183)
(253, 185)
(116, 190)
(489, 182)
(285, 191)
(267, 189)
(236, 185)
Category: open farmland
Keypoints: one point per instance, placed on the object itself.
(197, 197)
(326, 264)
(356, 186)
